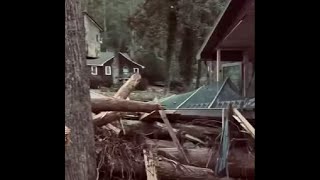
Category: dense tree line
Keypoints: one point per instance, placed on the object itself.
(163, 35)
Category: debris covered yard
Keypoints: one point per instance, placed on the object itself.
(185, 136)
(204, 133)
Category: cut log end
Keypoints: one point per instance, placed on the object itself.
(67, 139)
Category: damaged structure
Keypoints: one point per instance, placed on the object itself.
(205, 134)
(229, 50)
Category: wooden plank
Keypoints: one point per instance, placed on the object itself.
(243, 120)
(218, 64)
(150, 165)
(189, 113)
(173, 135)
(113, 128)
(155, 114)
(187, 136)
(245, 72)
(244, 127)
(122, 127)
(209, 113)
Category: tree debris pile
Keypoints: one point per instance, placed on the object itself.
(118, 156)
(162, 144)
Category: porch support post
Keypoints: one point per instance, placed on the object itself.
(245, 72)
(218, 64)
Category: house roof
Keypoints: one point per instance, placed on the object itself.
(125, 55)
(93, 21)
(234, 29)
(103, 58)
(216, 95)
(107, 56)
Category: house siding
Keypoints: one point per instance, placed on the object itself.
(92, 45)
(125, 62)
(117, 63)
(105, 80)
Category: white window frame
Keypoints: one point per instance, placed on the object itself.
(94, 70)
(136, 70)
(97, 37)
(107, 70)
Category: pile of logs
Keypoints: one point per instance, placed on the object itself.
(170, 149)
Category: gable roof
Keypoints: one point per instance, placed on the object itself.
(216, 95)
(125, 55)
(103, 58)
(228, 19)
(93, 21)
(107, 56)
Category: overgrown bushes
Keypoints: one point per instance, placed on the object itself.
(98, 81)
(143, 85)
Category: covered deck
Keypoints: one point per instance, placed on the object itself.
(230, 47)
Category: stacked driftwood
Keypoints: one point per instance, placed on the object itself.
(141, 140)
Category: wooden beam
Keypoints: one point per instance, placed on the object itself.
(67, 132)
(113, 128)
(173, 135)
(150, 165)
(218, 64)
(245, 72)
(187, 136)
(242, 120)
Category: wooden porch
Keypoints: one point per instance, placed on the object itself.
(231, 45)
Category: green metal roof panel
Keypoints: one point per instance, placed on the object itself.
(203, 97)
(174, 101)
(216, 95)
(227, 93)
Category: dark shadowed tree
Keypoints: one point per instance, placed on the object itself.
(80, 162)
(171, 40)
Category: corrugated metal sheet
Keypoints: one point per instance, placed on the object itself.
(216, 95)
(174, 101)
(203, 97)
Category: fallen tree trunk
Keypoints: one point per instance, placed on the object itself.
(200, 132)
(127, 87)
(156, 143)
(115, 104)
(167, 170)
(122, 93)
(240, 163)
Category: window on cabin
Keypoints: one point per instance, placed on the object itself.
(107, 70)
(94, 70)
(125, 71)
(136, 70)
(98, 38)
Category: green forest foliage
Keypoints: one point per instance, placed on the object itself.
(141, 28)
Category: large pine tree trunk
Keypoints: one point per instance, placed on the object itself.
(80, 161)
(171, 41)
(186, 56)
